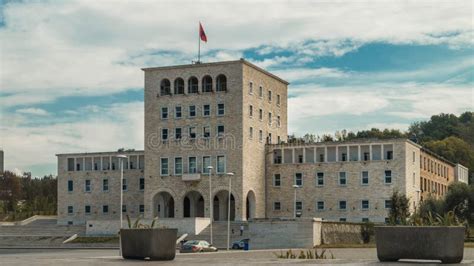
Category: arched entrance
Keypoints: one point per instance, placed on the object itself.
(250, 205)
(221, 206)
(163, 205)
(193, 204)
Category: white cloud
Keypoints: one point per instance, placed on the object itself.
(106, 129)
(55, 49)
(33, 111)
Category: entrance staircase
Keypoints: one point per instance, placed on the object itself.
(38, 233)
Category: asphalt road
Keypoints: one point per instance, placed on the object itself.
(353, 256)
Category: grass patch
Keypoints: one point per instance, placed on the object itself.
(96, 239)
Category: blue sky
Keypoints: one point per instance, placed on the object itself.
(71, 78)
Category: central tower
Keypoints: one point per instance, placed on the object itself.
(210, 114)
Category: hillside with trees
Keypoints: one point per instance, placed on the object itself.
(448, 135)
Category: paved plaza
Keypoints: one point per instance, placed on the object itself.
(353, 256)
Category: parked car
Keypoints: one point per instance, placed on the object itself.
(239, 244)
(193, 246)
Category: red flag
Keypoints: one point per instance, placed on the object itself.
(202, 34)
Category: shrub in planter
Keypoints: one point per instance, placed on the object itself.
(141, 241)
(439, 238)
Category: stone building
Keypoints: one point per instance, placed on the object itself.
(89, 186)
(209, 123)
(436, 173)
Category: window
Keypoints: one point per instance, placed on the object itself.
(269, 95)
(251, 132)
(206, 132)
(206, 110)
(141, 208)
(250, 87)
(70, 164)
(260, 114)
(105, 209)
(389, 155)
(342, 178)
(366, 156)
(105, 184)
(165, 87)
(342, 205)
(251, 111)
(278, 121)
(192, 165)
(320, 179)
(124, 208)
(260, 92)
(192, 132)
(207, 84)
(221, 83)
(365, 178)
(178, 112)
(365, 204)
(164, 112)
(193, 85)
(320, 205)
(321, 157)
(278, 99)
(70, 186)
(178, 166)
(388, 177)
(164, 166)
(220, 164)
(178, 133)
(192, 111)
(206, 161)
(87, 186)
(342, 219)
(276, 180)
(164, 134)
(179, 86)
(269, 138)
(413, 179)
(220, 109)
(414, 157)
(270, 119)
(276, 206)
(343, 157)
(299, 179)
(220, 131)
(365, 220)
(388, 204)
(260, 135)
(124, 184)
(141, 184)
(87, 209)
(70, 209)
(299, 205)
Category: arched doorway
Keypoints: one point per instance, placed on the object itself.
(250, 205)
(193, 204)
(220, 206)
(163, 205)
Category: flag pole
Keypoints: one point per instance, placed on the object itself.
(199, 45)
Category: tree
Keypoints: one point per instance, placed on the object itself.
(10, 189)
(400, 209)
(460, 199)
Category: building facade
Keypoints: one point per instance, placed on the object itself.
(211, 123)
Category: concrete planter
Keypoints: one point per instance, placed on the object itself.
(156, 244)
(445, 243)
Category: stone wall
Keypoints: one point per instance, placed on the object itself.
(341, 233)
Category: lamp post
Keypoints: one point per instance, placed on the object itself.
(211, 201)
(294, 211)
(230, 175)
(121, 157)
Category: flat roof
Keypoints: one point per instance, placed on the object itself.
(241, 60)
(347, 142)
(102, 153)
